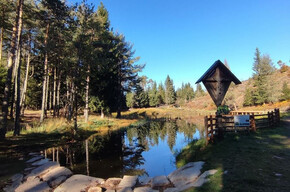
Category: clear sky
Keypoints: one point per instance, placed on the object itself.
(183, 38)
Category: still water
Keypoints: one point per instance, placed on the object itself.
(147, 150)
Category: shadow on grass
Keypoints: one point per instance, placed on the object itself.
(255, 162)
(38, 141)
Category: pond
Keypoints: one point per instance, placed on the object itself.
(147, 150)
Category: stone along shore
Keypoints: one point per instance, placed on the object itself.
(44, 175)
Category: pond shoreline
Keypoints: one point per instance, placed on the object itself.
(44, 175)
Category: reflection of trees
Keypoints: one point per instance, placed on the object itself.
(109, 155)
(187, 129)
(171, 130)
(149, 134)
(102, 156)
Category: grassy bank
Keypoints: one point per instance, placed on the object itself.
(245, 162)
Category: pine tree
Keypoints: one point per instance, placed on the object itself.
(15, 42)
(285, 92)
(161, 94)
(170, 95)
(130, 100)
(141, 97)
(262, 67)
(248, 100)
(199, 91)
(153, 95)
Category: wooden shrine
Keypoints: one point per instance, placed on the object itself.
(217, 80)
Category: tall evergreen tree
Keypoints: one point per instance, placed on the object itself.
(15, 42)
(170, 95)
(153, 95)
(161, 94)
(262, 67)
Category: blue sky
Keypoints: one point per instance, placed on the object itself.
(184, 38)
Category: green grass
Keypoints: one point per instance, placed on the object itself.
(245, 162)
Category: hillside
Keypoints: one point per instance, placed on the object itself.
(236, 94)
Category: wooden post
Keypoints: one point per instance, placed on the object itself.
(211, 128)
(269, 119)
(219, 125)
(278, 114)
(206, 129)
(253, 123)
(272, 118)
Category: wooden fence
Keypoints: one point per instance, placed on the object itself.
(215, 126)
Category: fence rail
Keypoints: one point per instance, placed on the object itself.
(215, 126)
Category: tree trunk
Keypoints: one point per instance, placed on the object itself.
(45, 74)
(87, 157)
(1, 45)
(11, 61)
(119, 101)
(86, 112)
(54, 92)
(75, 107)
(17, 105)
(46, 95)
(69, 100)
(23, 95)
(17, 78)
(50, 97)
(58, 94)
(12, 99)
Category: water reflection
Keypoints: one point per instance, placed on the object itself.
(147, 150)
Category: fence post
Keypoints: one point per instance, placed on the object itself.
(219, 125)
(211, 128)
(269, 119)
(272, 118)
(206, 129)
(278, 115)
(253, 123)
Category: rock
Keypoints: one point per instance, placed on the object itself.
(145, 180)
(171, 190)
(17, 176)
(56, 176)
(33, 185)
(21, 159)
(160, 181)
(16, 181)
(197, 183)
(33, 154)
(112, 183)
(186, 174)
(127, 181)
(56, 182)
(56, 173)
(40, 162)
(277, 157)
(95, 189)
(203, 178)
(36, 158)
(77, 183)
(144, 189)
(28, 169)
(126, 189)
(41, 170)
(278, 174)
